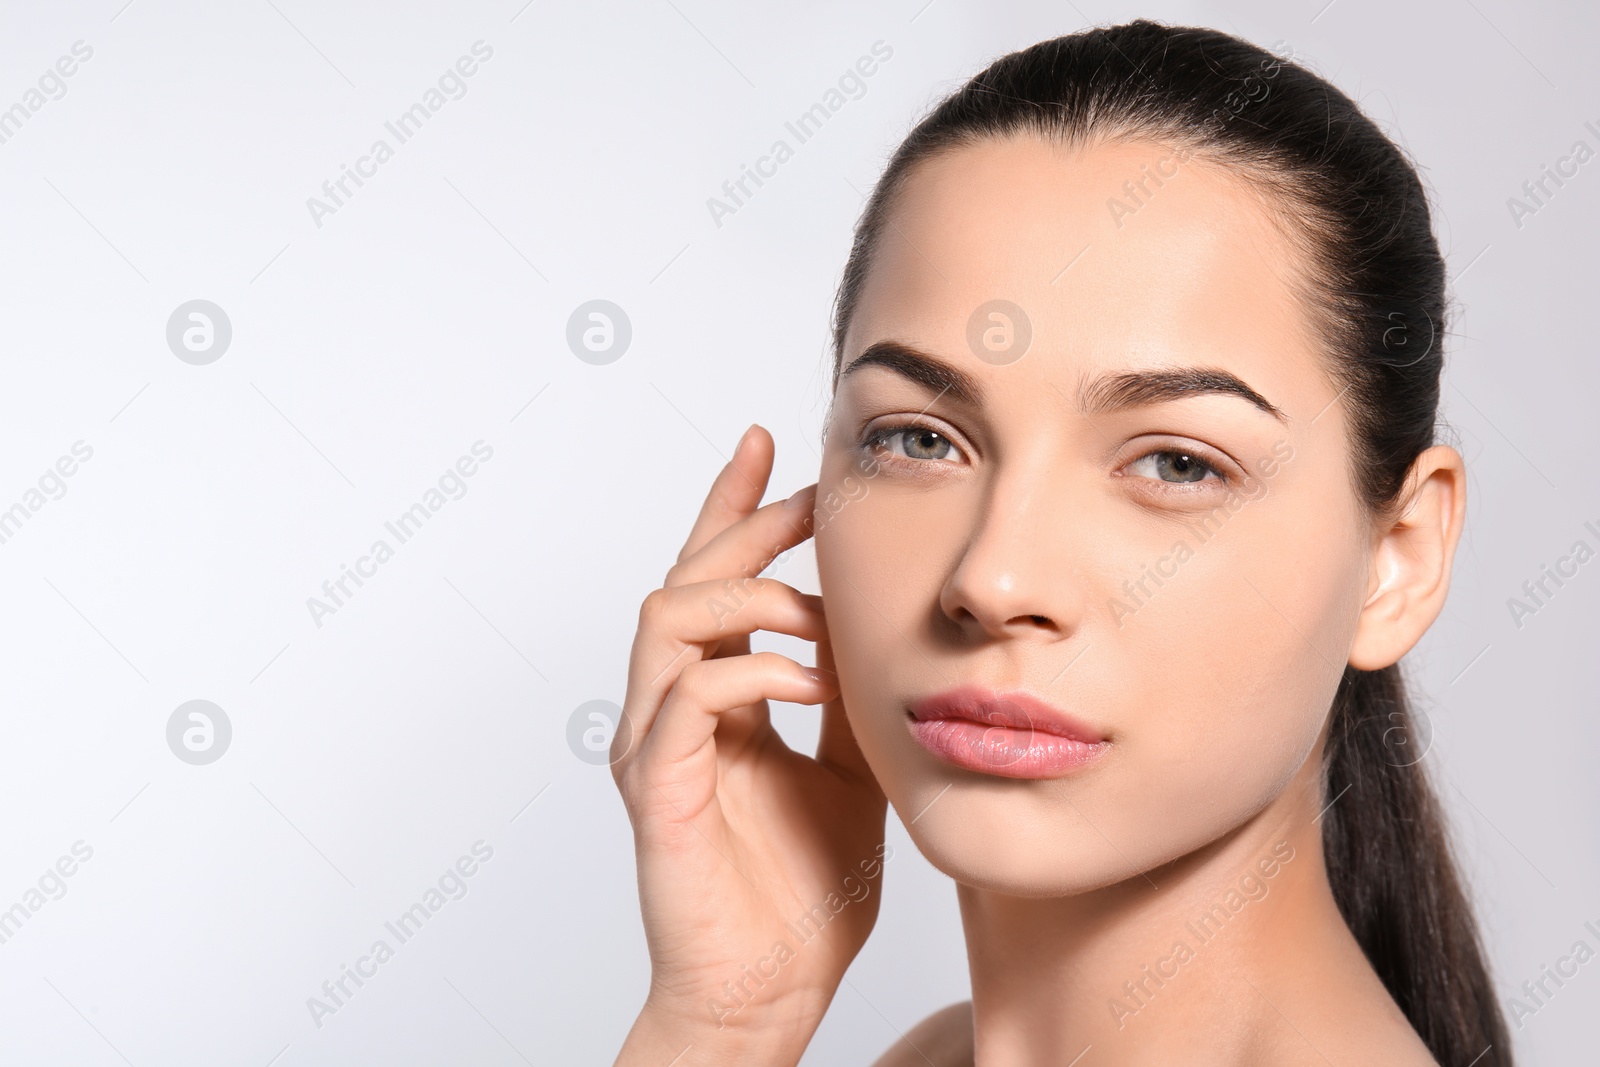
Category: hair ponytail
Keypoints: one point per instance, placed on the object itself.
(1373, 282)
(1393, 875)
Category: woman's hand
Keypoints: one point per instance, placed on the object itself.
(746, 849)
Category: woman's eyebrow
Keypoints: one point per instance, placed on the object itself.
(920, 367)
(1114, 392)
(1103, 394)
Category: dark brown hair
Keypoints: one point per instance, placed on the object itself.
(1373, 283)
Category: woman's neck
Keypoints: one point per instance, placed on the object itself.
(1228, 955)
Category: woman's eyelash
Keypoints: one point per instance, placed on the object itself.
(1183, 462)
(1191, 467)
(878, 438)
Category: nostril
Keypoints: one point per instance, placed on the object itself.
(1040, 619)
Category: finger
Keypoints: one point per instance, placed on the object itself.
(708, 688)
(674, 623)
(746, 548)
(836, 744)
(736, 491)
(780, 609)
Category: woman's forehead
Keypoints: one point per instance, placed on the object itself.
(1122, 254)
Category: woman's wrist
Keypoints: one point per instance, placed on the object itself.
(763, 1035)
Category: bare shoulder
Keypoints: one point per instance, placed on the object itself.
(943, 1039)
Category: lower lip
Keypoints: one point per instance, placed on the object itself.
(1003, 750)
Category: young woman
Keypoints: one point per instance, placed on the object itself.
(1130, 505)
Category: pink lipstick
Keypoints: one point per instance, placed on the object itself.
(1012, 735)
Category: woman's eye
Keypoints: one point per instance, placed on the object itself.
(1174, 465)
(913, 443)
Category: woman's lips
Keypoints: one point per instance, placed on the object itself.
(1012, 735)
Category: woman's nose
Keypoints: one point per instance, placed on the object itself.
(1019, 572)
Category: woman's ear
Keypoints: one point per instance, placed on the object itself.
(1410, 562)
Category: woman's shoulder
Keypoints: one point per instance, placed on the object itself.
(943, 1039)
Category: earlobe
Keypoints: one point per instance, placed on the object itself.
(1410, 562)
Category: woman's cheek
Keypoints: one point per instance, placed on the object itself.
(857, 577)
(1219, 713)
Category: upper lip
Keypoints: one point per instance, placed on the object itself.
(1015, 709)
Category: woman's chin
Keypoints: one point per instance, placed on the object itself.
(987, 857)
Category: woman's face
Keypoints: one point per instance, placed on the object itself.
(1080, 495)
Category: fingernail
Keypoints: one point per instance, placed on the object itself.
(744, 440)
(798, 498)
(820, 675)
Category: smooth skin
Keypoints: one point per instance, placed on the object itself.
(992, 544)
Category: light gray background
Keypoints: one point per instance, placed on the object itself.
(429, 312)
